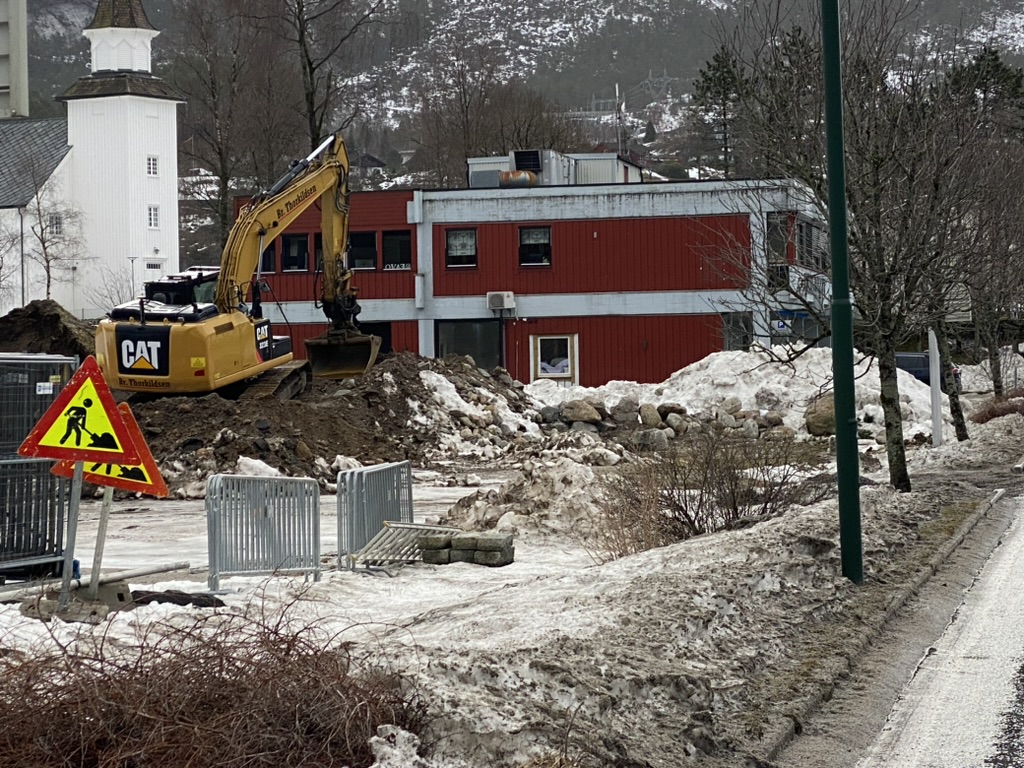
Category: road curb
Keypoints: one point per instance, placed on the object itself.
(786, 732)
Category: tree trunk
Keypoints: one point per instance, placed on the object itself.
(956, 409)
(889, 394)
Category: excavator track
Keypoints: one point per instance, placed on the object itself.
(281, 383)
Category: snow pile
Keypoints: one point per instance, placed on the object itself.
(978, 378)
(546, 497)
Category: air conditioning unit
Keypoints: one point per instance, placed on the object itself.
(501, 300)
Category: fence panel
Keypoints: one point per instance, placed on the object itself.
(262, 525)
(33, 506)
(367, 498)
(33, 503)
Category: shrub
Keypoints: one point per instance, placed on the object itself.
(994, 407)
(222, 690)
(711, 482)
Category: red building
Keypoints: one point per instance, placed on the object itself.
(582, 283)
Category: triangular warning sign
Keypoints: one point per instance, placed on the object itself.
(82, 424)
(144, 477)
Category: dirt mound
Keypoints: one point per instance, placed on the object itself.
(395, 412)
(45, 326)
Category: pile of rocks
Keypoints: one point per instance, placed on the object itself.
(653, 426)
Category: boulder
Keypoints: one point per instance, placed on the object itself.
(579, 410)
(731, 405)
(676, 422)
(625, 411)
(666, 408)
(651, 439)
(649, 415)
(820, 416)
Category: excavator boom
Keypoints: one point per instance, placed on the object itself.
(205, 326)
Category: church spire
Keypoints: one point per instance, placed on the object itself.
(123, 14)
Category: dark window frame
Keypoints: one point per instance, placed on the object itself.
(353, 256)
(450, 258)
(286, 239)
(395, 238)
(272, 251)
(535, 254)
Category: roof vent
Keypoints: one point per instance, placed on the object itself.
(527, 160)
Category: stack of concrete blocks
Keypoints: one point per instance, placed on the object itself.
(491, 549)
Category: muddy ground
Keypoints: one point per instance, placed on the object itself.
(370, 419)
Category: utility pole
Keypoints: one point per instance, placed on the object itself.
(847, 459)
(132, 260)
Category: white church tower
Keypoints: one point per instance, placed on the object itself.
(123, 174)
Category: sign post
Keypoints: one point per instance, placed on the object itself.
(84, 411)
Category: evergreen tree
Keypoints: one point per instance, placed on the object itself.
(717, 95)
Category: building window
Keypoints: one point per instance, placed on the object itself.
(480, 339)
(268, 259)
(153, 216)
(460, 248)
(294, 253)
(362, 248)
(810, 246)
(535, 246)
(55, 224)
(554, 357)
(777, 225)
(152, 166)
(397, 249)
(154, 265)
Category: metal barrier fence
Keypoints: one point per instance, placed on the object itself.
(33, 503)
(33, 506)
(262, 525)
(367, 498)
(28, 385)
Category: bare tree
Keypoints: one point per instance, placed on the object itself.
(471, 107)
(117, 288)
(319, 32)
(911, 179)
(234, 97)
(53, 231)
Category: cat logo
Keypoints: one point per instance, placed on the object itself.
(143, 350)
(140, 355)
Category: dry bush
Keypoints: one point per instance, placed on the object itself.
(222, 690)
(994, 407)
(708, 483)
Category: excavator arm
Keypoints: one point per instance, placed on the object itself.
(322, 178)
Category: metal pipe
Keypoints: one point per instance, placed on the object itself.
(13, 592)
(21, 220)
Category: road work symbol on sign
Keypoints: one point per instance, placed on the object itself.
(82, 424)
(143, 477)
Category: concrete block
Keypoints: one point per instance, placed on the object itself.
(465, 540)
(494, 558)
(462, 555)
(437, 556)
(494, 541)
(435, 540)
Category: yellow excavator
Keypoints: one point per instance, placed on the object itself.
(203, 330)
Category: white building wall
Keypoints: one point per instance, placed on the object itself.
(22, 274)
(111, 139)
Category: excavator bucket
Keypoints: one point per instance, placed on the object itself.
(342, 355)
